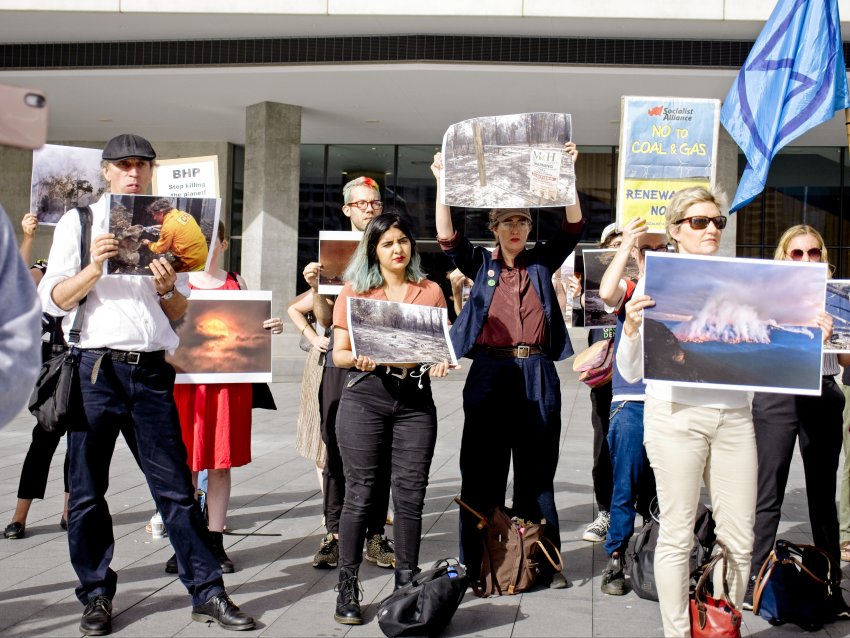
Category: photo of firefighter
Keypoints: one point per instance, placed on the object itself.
(148, 227)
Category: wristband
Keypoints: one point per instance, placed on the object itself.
(165, 296)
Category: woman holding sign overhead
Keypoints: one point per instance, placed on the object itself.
(691, 434)
(387, 422)
(513, 330)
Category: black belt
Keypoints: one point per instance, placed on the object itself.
(132, 358)
(516, 352)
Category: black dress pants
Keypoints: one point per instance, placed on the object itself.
(779, 420)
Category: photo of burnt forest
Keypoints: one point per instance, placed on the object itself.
(64, 177)
(838, 305)
(392, 332)
(596, 262)
(509, 161)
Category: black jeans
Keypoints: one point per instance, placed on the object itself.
(330, 391)
(386, 427)
(779, 419)
(603, 470)
(141, 396)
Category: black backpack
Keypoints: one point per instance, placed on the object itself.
(642, 570)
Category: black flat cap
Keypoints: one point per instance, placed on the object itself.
(128, 145)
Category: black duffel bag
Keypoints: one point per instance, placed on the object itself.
(425, 606)
(642, 567)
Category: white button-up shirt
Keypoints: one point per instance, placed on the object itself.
(122, 311)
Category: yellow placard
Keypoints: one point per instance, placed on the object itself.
(648, 198)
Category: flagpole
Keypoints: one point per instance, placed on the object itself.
(847, 125)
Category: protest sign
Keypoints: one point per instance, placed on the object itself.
(186, 177)
(666, 144)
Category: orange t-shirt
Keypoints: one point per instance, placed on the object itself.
(426, 293)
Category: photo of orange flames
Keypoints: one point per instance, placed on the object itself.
(223, 336)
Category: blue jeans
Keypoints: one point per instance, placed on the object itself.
(632, 474)
(140, 397)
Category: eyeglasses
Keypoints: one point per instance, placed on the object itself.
(654, 249)
(520, 225)
(699, 222)
(363, 204)
(813, 253)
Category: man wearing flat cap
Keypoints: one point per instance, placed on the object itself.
(124, 380)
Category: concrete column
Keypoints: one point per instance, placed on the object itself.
(270, 212)
(726, 182)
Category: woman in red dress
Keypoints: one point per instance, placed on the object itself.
(216, 417)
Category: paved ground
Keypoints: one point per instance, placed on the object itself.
(275, 528)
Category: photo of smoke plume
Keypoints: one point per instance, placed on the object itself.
(595, 264)
(148, 227)
(222, 339)
(64, 177)
(336, 247)
(509, 161)
(392, 332)
(741, 324)
(838, 305)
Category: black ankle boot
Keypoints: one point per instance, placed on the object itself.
(217, 547)
(404, 577)
(348, 601)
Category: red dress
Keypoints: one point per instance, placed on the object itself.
(215, 417)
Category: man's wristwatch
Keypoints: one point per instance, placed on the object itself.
(166, 295)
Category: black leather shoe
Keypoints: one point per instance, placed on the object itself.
(15, 530)
(348, 601)
(97, 617)
(171, 565)
(404, 577)
(222, 610)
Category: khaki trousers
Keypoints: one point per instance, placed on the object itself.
(844, 496)
(687, 445)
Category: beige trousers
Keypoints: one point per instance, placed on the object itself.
(687, 445)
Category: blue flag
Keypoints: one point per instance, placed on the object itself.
(793, 80)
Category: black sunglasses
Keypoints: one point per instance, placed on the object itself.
(700, 222)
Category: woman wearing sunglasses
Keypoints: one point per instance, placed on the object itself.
(780, 419)
(691, 434)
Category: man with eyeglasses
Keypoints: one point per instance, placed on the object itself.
(633, 480)
(362, 202)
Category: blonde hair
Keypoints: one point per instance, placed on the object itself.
(796, 231)
(682, 200)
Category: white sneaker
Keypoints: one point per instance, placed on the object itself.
(598, 529)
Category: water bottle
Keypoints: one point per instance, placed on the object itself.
(451, 572)
(157, 527)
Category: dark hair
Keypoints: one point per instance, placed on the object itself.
(162, 205)
(221, 231)
(364, 271)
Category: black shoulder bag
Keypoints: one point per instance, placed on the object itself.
(52, 400)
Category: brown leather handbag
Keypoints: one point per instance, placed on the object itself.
(513, 551)
(714, 617)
